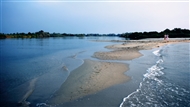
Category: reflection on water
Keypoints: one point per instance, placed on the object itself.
(48, 59)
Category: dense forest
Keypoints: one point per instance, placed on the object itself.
(175, 33)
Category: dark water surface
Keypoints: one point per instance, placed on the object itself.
(31, 70)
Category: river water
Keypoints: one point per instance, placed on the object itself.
(31, 70)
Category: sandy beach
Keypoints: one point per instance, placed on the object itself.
(129, 50)
(90, 78)
(94, 76)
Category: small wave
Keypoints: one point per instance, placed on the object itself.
(157, 53)
(65, 68)
(42, 105)
(160, 61)
(153, 72)
(31, 87)
(75, 55)
(153, 94)
(157, 91)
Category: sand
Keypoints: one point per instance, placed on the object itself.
(119, 54)
(91, 77)
(95, 76)
(129, 50)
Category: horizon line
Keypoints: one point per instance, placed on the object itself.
(104, 33)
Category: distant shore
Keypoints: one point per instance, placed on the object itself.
(174, 33)
(94, 76)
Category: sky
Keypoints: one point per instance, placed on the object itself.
(88, 16)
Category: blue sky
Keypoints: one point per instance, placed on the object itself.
(93, 17)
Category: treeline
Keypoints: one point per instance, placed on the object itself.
(79, 35)
(39, 34)
(175, 33)
(42, 34)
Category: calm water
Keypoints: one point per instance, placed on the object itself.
(166, 81)
(31, 70)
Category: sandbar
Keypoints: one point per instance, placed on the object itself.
(93, 76)
(129, 49)
(90, 78)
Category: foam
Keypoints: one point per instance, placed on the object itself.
(157, 53)
(42, 105)
(170, 94)
(152, 73)
(160, 61)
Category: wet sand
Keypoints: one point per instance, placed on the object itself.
(119, 54)
(90, 78)
(95, 76)
(129, 50)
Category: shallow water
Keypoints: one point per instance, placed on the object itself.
(33, 69)
(166, 82)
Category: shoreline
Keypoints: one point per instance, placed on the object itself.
(129, 50)
(94, 76)
(90, 78)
